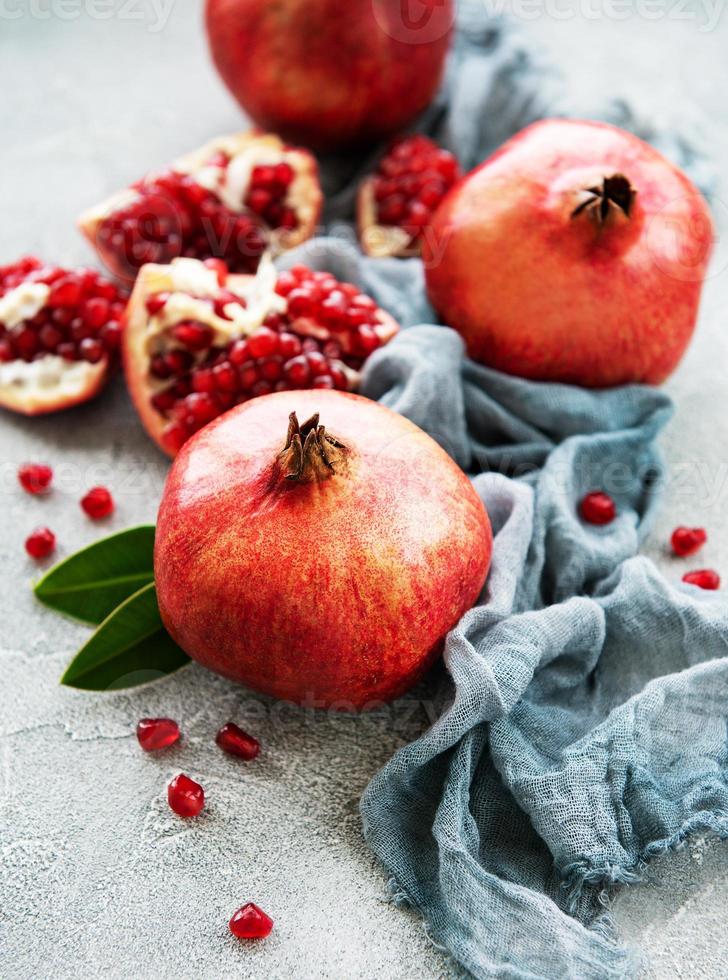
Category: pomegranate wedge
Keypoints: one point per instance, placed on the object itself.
(232, 199)
(59, 331)
(199, 340)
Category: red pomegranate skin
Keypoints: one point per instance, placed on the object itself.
(331, 593)
(539, 292)
(329, 74)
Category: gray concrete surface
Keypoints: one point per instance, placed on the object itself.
(97, 877)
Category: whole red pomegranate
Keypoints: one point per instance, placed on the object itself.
(330, 74)
(317, 547)
(576, 253)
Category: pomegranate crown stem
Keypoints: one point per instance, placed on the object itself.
(310, 452)
(614, 196)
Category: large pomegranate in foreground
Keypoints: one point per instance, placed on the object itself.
(317, 547)
(330, 74)
(576, 253)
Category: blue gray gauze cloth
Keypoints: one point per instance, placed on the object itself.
(582, 724)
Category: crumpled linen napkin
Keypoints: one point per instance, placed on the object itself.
(583, 715)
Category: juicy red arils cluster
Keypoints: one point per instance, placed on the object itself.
(175, 216)
(411, 181)
(203, 381)
(80, 321)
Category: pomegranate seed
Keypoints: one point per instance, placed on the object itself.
(156, 303)
(283, 173)
(250, 922)
(96, 312)
(185, 796)
(235, 741)
(35, 478)
(225, 377)
(98, 503)
(41, 543)
(704, 578)
(174, 437)
(297, 371)
(598, 508)
(688, 540)
(263, 342)
(91, 350)
(203, 380)
(157, 733)
(65, 292)
(239, 353)
(220, 268)
(193, 335)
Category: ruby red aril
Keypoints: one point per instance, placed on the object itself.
(41, 543)
(404, 192)
(35, 478)
(598, 508)
(687, 540)
(235, 741)
(251, 922)
(198, 209)
(157, 733)
(306, 329)
(50, 312)
(98, 503)
(185, 796)
(704, 578)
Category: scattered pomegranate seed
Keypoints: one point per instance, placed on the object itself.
(157, 733)
(704, 578)
(598, 508)
(688, 540)
(251, 922)
(235, 741)
(186, 797)
(35, 478)
(98, 503)
(41, 543)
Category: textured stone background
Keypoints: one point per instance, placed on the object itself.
(97, 877)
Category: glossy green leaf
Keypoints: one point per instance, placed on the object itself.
(131, 647)
(92, 583)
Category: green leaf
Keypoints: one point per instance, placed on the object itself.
(131, 647)
(92, 583)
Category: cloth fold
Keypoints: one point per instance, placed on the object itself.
(582, 714)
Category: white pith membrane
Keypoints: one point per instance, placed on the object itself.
(191, 285)
(381, 241)
(39, 386)
(230, 184)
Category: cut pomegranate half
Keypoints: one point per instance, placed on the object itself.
(199, 341)
(232, 199)
(59, 330)
(396, 203)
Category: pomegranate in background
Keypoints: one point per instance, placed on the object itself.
(576, 253)
(232, 199)
(59, 332)
(396, 203)
(199, 341)
(327, 74)
(299, 532)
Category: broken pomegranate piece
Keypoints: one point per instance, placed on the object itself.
(199, 341)
(396, 203)
(59, 330)
(232, 199)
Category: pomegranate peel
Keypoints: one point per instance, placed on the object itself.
(233, 198)
(199, 341)
(317, 547)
